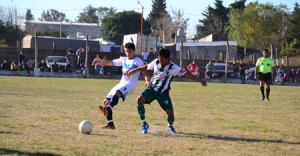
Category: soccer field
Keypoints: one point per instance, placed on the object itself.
(41, 116)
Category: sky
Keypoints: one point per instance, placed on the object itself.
(192, 8)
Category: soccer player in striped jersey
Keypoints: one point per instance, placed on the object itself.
(127, 84)
(164, 72)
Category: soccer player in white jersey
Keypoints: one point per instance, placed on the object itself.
(164, 72)
(127, 84)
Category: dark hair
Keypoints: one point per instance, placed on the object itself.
(266, 50)
(130, 45)
(165, 53)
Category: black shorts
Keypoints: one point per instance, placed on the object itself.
(267, 77)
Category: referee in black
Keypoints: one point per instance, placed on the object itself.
(264, 67)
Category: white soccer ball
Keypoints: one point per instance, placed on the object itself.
(86, 127)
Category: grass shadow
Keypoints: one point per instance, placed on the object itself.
(17, 152)
(224, 138)
(3, 132)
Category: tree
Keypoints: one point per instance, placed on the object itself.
(178, 21)
(53, 15)
(9, 31)
(89, 15)
(214, 21)
(105, 12)
(164, 28)
(126, 22)
(238, 5)
(258, 25)
(293, 31)
(158, 9)
(29, 16)
(289, 49)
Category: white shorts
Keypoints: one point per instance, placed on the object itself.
(124, 88)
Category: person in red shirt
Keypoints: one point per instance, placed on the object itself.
(192, 67)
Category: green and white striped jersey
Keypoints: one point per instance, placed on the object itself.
(163, 75)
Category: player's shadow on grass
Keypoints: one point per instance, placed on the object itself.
(17, 152)
(224, 138)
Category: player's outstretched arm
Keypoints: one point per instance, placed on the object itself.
(147, 79)
(104, 62)
(141, 68)
(192, 77)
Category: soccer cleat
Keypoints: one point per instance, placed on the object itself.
(145, 128)
(171, 129)
(263, 98)
(109, 125)
(103, 110)
(268, 99)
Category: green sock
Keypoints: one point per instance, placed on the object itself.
(141, 111)
(171, 121)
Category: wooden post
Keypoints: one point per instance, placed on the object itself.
(36, 54)
(181, 51)
(188, 54)
(271, 51)
(87, 49)
(226, 60)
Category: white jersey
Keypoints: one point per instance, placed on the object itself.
(163, 75)
(128, 64)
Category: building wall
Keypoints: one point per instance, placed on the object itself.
(93, 30)
(208, 52)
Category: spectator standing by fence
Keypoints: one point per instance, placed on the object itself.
(97, 67)
(80, 57)
(21, 58)
(292, 75)
(192, 67)
(145, 56)
(235, 68)
(242, 69)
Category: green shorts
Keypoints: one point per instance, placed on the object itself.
(164, 100)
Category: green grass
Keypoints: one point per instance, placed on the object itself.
(40, 116)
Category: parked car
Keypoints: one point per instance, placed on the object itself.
(219, 71)
(60, 60)
(249, 73)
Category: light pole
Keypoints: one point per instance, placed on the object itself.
(141, 49)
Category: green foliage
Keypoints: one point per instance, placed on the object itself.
(29, 15)
(9, 33)
(257, 25)
(289, 49)
(126, 22)
(53, 15)
(293, 31)
(214, 21)
(106, 12)
(50, 33)
(158, 9)
(89, 15)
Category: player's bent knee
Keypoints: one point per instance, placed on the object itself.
(169, 113)
(141, 99)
